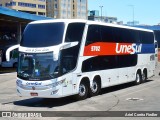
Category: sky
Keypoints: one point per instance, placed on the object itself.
(145, 11)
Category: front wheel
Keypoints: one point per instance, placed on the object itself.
(138, 78)
(83, 91)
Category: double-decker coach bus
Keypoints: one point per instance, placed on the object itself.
(59, 58)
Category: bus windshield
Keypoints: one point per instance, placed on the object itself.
(37, 66)
(43, 35)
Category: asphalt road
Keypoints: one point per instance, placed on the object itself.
(127, 97)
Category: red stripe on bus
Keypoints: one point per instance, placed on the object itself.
(103, 48)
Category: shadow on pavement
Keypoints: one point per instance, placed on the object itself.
(45, 102)
(54, 102)
(120, 87)
(7, 70)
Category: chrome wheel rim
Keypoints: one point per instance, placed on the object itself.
(143, 76)
(94, 87)
(138, 78)
(82, 90)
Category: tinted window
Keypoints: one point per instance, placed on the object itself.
(99, 63)
(107, 34)
(69, 57)
(147, 37)
(123, 35)
(93, 34)
(108, 62)
(74, 32)
(126, 60)
(111, 34)
(43, 35)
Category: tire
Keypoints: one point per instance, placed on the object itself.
(83, 91)
(95, 89)
(144, 77)
(138, 78)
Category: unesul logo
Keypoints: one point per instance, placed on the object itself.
(128, 48)
(109, 48)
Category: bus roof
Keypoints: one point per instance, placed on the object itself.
(116, 25)
(59, 20)
(89, 23)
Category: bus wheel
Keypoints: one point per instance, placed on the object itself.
(144, 76)
(83, 91)
(95, 88)
(138, 78)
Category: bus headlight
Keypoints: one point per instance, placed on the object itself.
(56, 83)
(19, 83)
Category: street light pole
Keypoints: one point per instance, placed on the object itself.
(101, 12)
(132, 12)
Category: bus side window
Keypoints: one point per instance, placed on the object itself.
(93, 34)
(74, 32)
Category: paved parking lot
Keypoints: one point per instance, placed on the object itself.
(127, 97)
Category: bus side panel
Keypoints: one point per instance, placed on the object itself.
(147, 61)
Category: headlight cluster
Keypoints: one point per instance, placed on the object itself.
(56, 83)
(19, 83)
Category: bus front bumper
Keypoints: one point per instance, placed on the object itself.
(48, 93)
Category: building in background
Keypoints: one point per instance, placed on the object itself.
(94, 16)
(132, 23)
(37, 7)
(71, 9)
(94, 13)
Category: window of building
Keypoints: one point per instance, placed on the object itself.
(10, 4)
(42, 0)
(41, 6)
(56, 6)
(26, 4)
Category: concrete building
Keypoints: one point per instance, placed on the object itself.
(132, 23)
(94, 16)
(12, 21)
(37, 7)
(71, 9)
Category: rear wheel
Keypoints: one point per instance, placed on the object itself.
(144, 76)
(83, 91)
(138, 78)
(95, 89)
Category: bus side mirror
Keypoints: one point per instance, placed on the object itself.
(69, 44)
(61, 47)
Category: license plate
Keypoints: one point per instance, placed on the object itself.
(34, 94)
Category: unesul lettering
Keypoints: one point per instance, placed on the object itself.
(130, 49)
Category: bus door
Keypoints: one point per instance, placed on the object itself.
(67, 66)
(67, 85)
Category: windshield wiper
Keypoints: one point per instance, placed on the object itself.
(51, 75)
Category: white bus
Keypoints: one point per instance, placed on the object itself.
(9, 55)
(60, 58)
